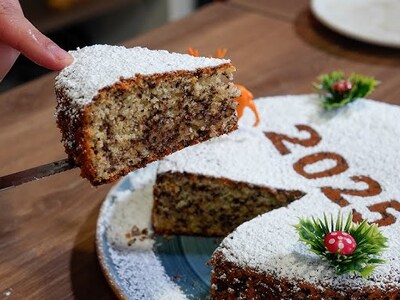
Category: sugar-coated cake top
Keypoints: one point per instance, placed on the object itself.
(356, 132)
(99, 66)
(351, 152)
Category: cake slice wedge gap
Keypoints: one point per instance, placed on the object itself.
(195, 204)
(211, 188)
(120, 108)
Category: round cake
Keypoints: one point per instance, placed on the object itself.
(342, 160)
(300, 162)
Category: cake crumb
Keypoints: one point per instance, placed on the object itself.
(137, 234)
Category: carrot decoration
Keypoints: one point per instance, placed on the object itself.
(221, 52)
(193, 52)
(245, 98)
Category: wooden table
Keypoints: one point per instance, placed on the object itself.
(47, 227)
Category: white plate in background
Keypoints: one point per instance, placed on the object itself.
(371, 21)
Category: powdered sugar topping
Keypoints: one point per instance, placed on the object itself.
(364, 134)
(99, 66)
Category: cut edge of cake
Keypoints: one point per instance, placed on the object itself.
(195, 204)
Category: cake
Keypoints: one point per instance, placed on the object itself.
(310, 162)
(119, 109)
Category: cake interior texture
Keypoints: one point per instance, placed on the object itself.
(136, 121)
(195, 204)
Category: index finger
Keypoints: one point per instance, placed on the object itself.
(17, 32)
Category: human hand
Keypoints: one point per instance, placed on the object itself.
(18, 35)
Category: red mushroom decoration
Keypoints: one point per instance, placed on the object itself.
(340, 242)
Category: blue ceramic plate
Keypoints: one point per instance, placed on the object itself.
(147, 266)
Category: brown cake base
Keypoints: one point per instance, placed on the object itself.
(229, 281)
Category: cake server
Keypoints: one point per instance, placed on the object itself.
(15, 179)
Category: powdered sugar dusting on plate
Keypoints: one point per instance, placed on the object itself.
(98, 66)
(135, 269)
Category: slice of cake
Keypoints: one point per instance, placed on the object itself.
(343, 160)
(119, 109)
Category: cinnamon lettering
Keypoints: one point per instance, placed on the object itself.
(340, 167)
(387, 218)
(278, 139)
(335, 194)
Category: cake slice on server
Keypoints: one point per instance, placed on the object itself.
(119, 109)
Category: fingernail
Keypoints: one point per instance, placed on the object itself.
(60, 54)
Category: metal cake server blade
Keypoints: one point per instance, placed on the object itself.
(15, 179)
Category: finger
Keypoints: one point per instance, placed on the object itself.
(17, 32)
(8, 57)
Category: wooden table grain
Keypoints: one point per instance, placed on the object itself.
(47, 227)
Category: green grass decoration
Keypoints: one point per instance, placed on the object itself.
(334, 97)
(369, 239)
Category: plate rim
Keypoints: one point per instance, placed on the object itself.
(102, 245)
(108, 276)
(99, 245)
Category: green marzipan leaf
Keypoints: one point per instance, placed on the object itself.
(369, 239)
(362, 87)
